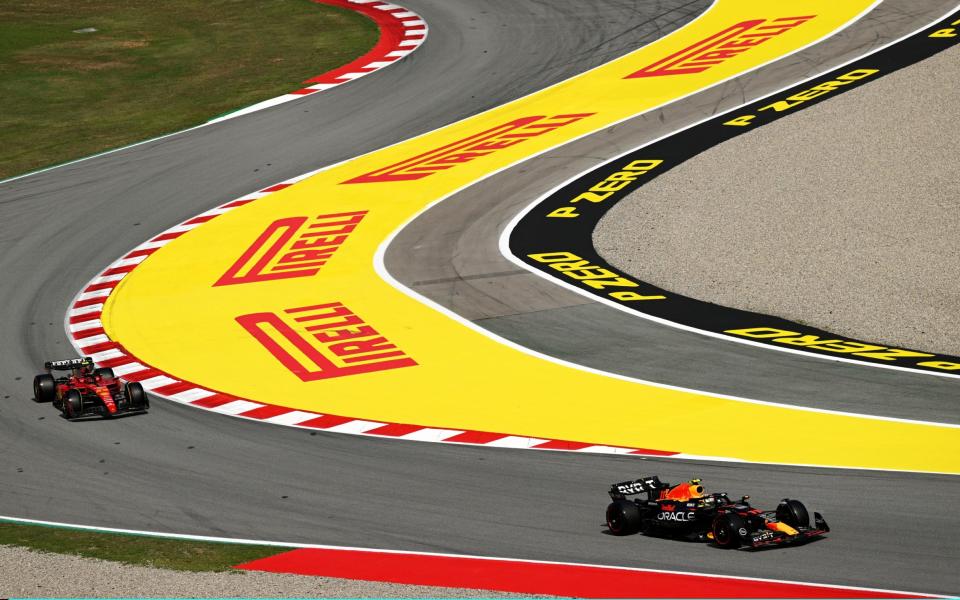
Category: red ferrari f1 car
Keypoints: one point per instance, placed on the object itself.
(87, 391)
(686, 510)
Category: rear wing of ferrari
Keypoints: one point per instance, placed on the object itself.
(619, 491)
(70, 363)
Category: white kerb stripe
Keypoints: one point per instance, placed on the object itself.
(422, 30)
(323, 86)
(133, 260)
(514, 441)
(86, 310)
(414, 22)
(236, 407)
(95, 294)
(158, 381)
(430, 435)
(351, 75)
(91, 324)
(378, 64)
(292, 418)
(182, 227)
(388, 6)
(410, 42)
(406, 13)
(355, 426)
(92, 340)
(191, 395)
(108, 278)
(107, 355)
(128, 368)
(606, 450)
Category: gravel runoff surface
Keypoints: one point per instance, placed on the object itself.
(844, 216)
(26, 573)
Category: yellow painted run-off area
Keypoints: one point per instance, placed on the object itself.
(280, 302)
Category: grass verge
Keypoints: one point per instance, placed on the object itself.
(150, 68)
(164, 553)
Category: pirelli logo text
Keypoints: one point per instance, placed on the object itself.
(796, 339)
(593, 277)
(602, 190)
(292, 247)
(324, 341)
(720, 47)
(470, 148)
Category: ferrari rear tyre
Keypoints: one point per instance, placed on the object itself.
(136, 397)
(793, 513)
(44, 388)
(104, 372)
(727, 528)
(623, 517)
(72, 404)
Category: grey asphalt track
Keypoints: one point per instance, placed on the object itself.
(183, 470)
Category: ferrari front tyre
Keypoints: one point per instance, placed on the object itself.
(136, 397)
(793, 513)
(72, 404)
(44, 388)
(727, 530)
(104, 372)
(623, 517)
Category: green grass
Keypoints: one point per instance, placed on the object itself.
(152, 67)
(181, 555)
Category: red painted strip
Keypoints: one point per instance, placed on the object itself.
(536, 578)
(116, 362)
(199, 220)
(106, 285)
(141, 252)
(275, 188)
(173, 388)
(82, 335)
(170, 235)
(304, 91)
(562, 445)
(647, 451)
(100, 347)
(213, 401)
(395, 429)
(84, 318)
(142, 375)
(89, 302)
(476, 437)
(326, 421)
(237, 203)
(118, 270)
(265, 412)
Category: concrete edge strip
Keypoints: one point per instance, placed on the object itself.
(370, 557)
(86, 332)
(401, 32)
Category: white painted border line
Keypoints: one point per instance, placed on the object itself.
(300, 545)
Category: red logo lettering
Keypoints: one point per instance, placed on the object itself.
(292, 247)
(468, 149)
(720, 47)
(324, 341)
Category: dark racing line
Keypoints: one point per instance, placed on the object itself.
(555, 236)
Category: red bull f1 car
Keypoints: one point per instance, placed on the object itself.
(652, 507)
(87, 391)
